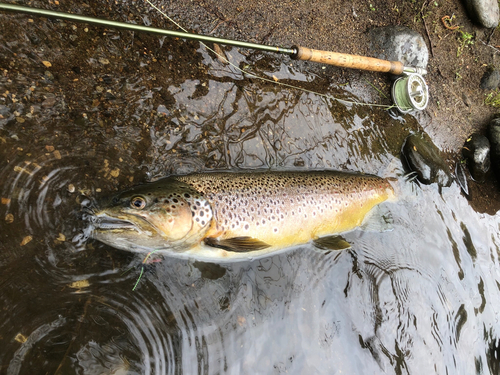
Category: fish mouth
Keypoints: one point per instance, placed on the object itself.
(105, 223)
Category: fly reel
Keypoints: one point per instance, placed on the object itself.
(410, 92)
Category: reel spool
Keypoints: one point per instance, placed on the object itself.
(410, 93)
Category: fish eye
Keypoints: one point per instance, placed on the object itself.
(138, 202)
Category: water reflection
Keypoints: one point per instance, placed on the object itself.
(422, 298)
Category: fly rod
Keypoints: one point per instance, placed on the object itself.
(408, 94)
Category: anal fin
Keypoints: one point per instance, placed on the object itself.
(237, 244)
(332, 243)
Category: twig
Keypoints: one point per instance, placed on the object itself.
(496, 49)
(491, 34)
(425, 26)
(428, 37)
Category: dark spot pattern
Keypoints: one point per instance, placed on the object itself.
(245, 201)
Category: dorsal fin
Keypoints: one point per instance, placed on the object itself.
(237, 244)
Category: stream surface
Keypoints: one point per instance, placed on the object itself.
(423, 298)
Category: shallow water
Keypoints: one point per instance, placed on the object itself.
(422, 298)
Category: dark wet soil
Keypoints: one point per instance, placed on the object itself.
(456, 108)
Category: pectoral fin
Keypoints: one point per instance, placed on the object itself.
(332, 243)
(237, 244)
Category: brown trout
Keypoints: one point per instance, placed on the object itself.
(219, 216)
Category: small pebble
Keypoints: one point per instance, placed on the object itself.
(115, 172)
(47, 64)
(79, 284)
(9, 218)
(71, 188)
(26, 240)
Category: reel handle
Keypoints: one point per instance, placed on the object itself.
(348, 61)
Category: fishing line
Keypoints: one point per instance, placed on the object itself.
(142, 268)
(343, 101)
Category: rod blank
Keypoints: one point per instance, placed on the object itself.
(146, 29)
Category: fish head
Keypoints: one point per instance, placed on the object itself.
(166, 214)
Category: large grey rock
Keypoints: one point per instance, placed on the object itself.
(399, 43)
(484, 12)
(423, 158)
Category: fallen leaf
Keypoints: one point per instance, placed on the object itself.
(61, 237)
(9, 218)
(57, 154)
(47, 64)
(5, 200)
(221, 56)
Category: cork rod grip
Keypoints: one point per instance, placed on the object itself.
(348, 61)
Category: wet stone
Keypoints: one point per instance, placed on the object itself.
(399, 43)
(49, 102)
(494, 138)
(423, 158)
(490, 80)
(4, 111)
(476, 152)
(483, 12)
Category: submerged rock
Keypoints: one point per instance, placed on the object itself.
(423, 158)
(476, 152)
(483, 12)
(399, 43)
